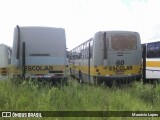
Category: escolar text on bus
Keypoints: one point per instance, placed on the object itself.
(38, 68)
(120, 68)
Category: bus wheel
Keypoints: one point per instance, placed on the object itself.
(110, 83)
(98, 81)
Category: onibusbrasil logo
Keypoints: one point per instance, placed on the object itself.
(21, 114)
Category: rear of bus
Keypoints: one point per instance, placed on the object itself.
(118, 55)
(45, 52)
(5, 61)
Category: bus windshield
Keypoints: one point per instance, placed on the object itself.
(124, 42)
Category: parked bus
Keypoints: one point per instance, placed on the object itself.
(39, 52)
(153, 59)
(5, 61)
(110, 56)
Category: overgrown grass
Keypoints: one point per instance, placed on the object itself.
(36, 96)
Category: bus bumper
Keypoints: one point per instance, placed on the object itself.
(118, 79)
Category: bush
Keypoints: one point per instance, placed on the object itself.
(148, 92)
(32, 95)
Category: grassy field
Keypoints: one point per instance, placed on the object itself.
(33, 96)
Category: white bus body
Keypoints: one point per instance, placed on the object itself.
(114, 55)
(153, 59)
(5, 60)
(45, 52)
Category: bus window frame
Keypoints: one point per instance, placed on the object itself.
(82, 51)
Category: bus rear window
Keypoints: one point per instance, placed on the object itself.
(124, 42)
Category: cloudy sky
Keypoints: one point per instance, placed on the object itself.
(81, 18)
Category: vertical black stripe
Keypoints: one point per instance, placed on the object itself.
(144, 63)
(89, 63)
(105, 47)
(23, 59)
(18, 42)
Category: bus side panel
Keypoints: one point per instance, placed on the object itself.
(153, 68)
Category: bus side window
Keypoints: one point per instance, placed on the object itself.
(80, 55)
(91, 48)
(151, 50)
(157, 51)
